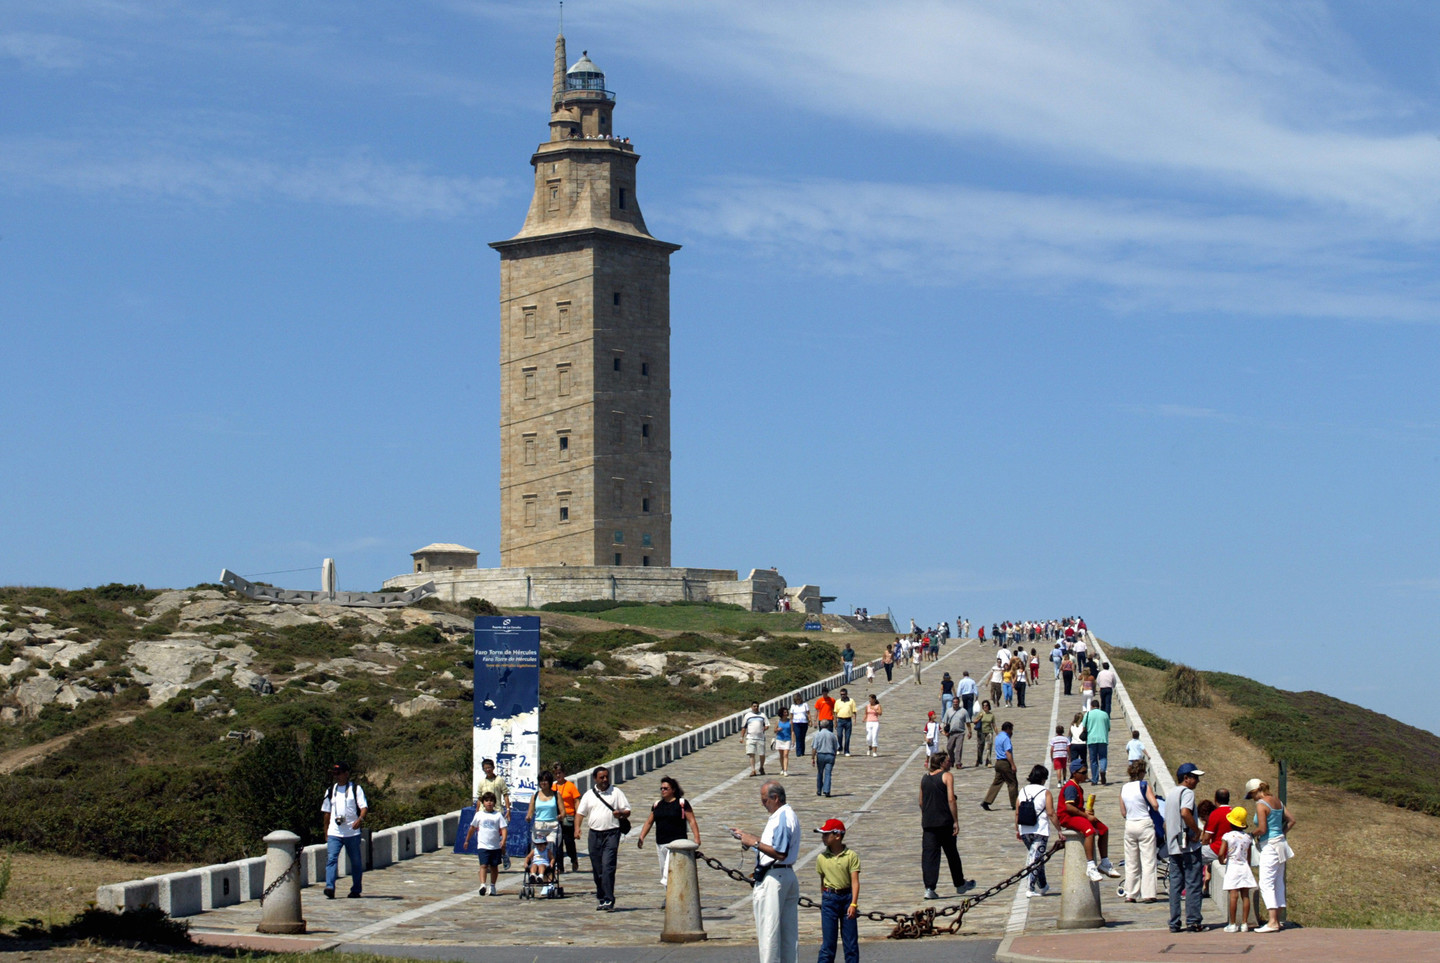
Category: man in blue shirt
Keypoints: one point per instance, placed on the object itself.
(966, 689)
(1004, 767)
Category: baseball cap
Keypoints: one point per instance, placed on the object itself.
(1189, 769)
(1250, 787)
(832, 826)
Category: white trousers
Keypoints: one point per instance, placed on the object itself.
(664, 853)
(1140, 875)
(1272, 877)
(872, 734)
(777, 916)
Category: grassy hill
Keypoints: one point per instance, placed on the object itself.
(1362, 860)
(175, 784)
(1328, 741)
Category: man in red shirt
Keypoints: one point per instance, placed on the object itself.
(825, 707)
(1215, 829)
(1073, 815)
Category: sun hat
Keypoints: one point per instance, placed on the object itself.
(1237, 816)
(832, 826)
(1250, 787)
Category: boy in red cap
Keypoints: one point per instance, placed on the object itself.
(839, 869)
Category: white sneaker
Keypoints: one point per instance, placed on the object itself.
(1244, 927)
(484, 889)
(1232, 928)
(1032, 893)
(1093, 874)
(1109, 869)
(1267, 928)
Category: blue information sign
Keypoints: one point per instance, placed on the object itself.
(507, 716)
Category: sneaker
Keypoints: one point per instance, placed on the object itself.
(1267, 928)
(1196, 927)
(931, 894)
(1032, 893)
(847, 753)
(330, 893)
(1093, 874)
(1232, 928)
(1110, 871)
(1044, 890)
(1244, 927)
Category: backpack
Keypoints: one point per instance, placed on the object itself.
(1026, 813)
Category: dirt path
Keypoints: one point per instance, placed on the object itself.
(17, 759)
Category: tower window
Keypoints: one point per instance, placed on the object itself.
(644, 369)
(617, 495)
(615, 299)
(562, 372)
(529, 449)
(645, 505)
(562, 312)
(564, 513)
(645, 540)
(615, 364)
(645, 560)
(529, 322)
(620, 198)
(619, 537)
(645, 434)
(529, 382)
(617, 559)
(564, 446)
(531, 505)
(563, 498)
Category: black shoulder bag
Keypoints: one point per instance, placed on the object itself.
(623, 820)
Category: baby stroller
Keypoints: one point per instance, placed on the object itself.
(541, 880)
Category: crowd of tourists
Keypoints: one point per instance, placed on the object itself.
(1244, 843)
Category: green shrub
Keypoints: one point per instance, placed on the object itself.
(1142, 657)
(278, 782)
(588, 605)
(149, 925)
(1185, 688)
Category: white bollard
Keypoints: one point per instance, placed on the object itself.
(280, 911)
(682, 896)
(1079, 896)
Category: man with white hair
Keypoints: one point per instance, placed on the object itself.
(776, 895)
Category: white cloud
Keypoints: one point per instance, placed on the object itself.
(1161, 92)
(1137, 254)
(44, 50)
(192, 175)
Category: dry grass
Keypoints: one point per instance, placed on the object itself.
(55, 888)
(1359, 862)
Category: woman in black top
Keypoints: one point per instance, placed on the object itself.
(670, 814)
(938, 827)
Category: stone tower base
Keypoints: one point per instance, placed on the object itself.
(533, 586)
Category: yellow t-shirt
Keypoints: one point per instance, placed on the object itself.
(845, 708)
(835, 870)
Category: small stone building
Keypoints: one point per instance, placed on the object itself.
(444, 556)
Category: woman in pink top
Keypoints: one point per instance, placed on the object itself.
(872, 726)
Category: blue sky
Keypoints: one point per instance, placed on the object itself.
(1007, 310)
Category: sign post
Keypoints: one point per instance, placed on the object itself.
(507, 712)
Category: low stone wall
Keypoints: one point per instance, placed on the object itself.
(225, 884)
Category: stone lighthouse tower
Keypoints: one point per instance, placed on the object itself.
(584, 350)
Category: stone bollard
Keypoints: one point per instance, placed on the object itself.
(1079, 896)
(682, 896)
(280, 911)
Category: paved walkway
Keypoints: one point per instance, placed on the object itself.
(432, 899)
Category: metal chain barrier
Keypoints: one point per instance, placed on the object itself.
(294, 865)
(911, 926)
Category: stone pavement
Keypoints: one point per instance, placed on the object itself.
(432, 900)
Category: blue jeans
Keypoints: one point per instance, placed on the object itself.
(834, 914)
(842, 732)
(849, 671)
(1099, 759)
(332, 860)
(1105, 695)
(1186, 871)
(824, 763)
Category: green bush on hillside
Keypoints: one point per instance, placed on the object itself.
(1185, 688)
(588, 605)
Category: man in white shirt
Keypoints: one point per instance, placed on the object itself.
(1105, 681)
(776, 895)
(602, 806)
(754, 724)
(344, 807)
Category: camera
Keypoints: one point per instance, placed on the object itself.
(339, 820)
